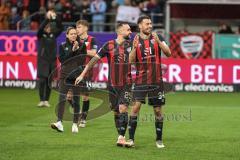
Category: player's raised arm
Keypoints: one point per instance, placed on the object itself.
(132, 55)
(162, 44)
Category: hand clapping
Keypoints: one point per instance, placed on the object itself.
(75, 46)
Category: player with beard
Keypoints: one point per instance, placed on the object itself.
(117, 53)
(146, 55)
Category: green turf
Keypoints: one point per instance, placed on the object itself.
(197, 126)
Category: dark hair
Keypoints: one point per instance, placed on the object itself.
(120, 24)
(68, 29)
(141, 18)
(82, 22)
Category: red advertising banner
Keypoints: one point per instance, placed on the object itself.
(208, 71)
(25, 68)
(200, 71)
(18, 67)
(191, 46)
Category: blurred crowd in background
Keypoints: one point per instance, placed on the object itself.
(27, 15)
(94, 11)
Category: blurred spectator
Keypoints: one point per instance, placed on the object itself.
(5, 11)
(14, 18)
(85, 9)
(128, 13)
(108, 16)
(51, 5)
(153, 7)
(72, 10)
(34, 25)
(98, 9)
(67, 11)
(127, 3)
(112, 18)
(143, 7)
(47, 35)
(77, 4)
(18, 4)
(34, 5)
(238, 30)
(59, 6)
(118, 2)
(225, 29)
(37, 13)
(26, 21)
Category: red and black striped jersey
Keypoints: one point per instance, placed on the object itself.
(90, 43)
(118, 58)
(148, 61)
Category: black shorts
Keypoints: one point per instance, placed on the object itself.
(64, 87)
(118, 96)
(155, 94)
(84, 89)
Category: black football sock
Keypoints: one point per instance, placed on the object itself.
(47, 91)
(61, 107)
(159, 127)
(76, 109)
(116, 120)
(41, 88)
(132, 125)
(123, 120)
(85, 109)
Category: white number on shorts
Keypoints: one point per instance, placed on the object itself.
(160, 95)
(126, 95)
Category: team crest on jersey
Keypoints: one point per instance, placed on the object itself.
(86, 43)
(66, 48)
(129, 49)
(152, 41)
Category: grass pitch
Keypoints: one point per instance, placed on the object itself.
(197, 126)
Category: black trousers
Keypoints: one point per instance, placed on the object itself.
(63, 89)
(44, 89)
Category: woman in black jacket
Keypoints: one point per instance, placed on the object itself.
(47, 35)
(70, 56)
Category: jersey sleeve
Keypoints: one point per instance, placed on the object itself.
(94, 44)
(103, 51)
(161, 37)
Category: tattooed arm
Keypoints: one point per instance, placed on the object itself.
(89, 66)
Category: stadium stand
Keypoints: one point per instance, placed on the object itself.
(17, 14)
